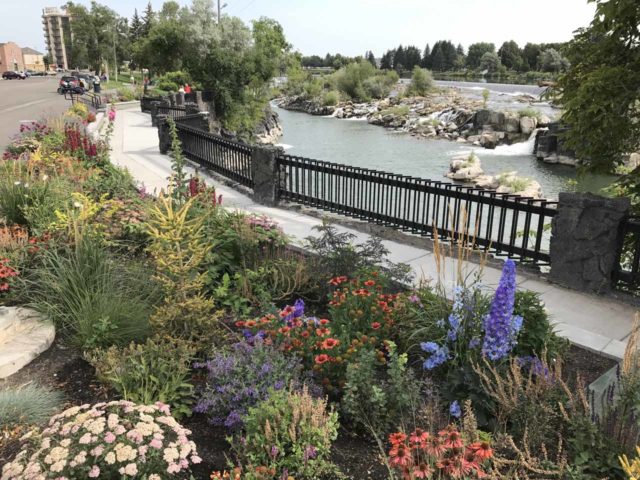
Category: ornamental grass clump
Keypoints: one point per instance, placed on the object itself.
(29, 404)
(107, 440)
(239, 377)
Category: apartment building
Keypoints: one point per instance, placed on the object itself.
(57, 33)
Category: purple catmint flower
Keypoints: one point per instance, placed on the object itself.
(500, 326)
(309, 453)
(274, 451)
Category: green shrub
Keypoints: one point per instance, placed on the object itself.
(17, 194)
(126, 94)
(97, 299)
(110, 182)
(155, 371)
(421, 81)
(396, 111)
(378, 403)
(30, 404)
(530, 112)
(313, 88)
(380, 85)
(331, 98)
(289, 432)
(537, 336)
(349, 80)
(40, 211)
(171, 81)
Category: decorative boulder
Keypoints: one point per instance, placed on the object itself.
(528, 125)
(511, 122)
(465, 168)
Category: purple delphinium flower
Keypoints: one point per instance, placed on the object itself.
(439, 355)
(500, 326)
(455, 410)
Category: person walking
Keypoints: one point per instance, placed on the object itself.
(187, 88)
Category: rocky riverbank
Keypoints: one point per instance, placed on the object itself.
(443, 114)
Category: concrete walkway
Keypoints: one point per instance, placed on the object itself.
(597, 323)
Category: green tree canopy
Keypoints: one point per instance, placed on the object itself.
(476, 51)
(490, 61)
(600, 92)
(510, 55)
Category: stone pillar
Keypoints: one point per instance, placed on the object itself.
(180, 98)
(154, 113)
(200, 102)
(586, 235)
(164, 134)
(264, 168)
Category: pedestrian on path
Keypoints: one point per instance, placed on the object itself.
(187, 88)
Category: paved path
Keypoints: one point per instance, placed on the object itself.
(597, 323)
(32, 99)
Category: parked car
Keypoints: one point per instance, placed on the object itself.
(71, 84)
(13, 75)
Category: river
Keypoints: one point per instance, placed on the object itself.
(355, 142)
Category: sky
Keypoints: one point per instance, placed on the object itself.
(352, 27)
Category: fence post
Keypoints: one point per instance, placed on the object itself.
(164, 135)
(264, 169)
(586, 236)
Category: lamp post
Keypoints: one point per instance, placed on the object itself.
(220, 7)
(115, 57)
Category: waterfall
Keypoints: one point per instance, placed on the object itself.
(517, 149)
(445, 116)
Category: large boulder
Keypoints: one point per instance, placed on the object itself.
(528, 125)
(490, 140)
(511, 122)
(465, 168)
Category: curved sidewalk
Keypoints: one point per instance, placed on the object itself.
(600, 324)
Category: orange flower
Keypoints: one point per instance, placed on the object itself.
(284, 330)
(397, 438)
(400, 455)
(422, 471)
(322, 358)
(481, 450)
(250, 323)
(239, 324)
(419, 436)
(451, 438)
(434, 447)
(369, 283)
(324, 321)
(337, 280)
(329, 343)
(322, 332)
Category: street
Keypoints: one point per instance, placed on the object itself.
(32, 99)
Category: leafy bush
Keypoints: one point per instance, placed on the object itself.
(331, 98)
(241, 376)
(530, 112)
(19, 192)
(112, 440)
(378, 403)
(126, 94)
(172, 81)
(336, 255)
(155, 371)
(178, 247)
(381, 84)
(97, 299)
(30, 404)
(350, 80)
(421, 81)
(396, 111)
(291, 433)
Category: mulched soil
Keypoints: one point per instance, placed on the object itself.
(63, 368)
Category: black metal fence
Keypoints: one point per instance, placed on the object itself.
(627, 275)
(174, 112)
(228, 158)
(91, 100)
(145, 102)
(504, 224)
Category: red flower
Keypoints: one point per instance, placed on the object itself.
(286, 311)
(481, 450)
(451, 438)
(329, 343)
(337, 280)
(284, 330)
(419, 436)
(324, 321)
(250, 323)
(305, 334)
(322, 358)
(369, 283)
(400, 455)
(240, 324)
(322, 332)
(434, 447)
(376, 325)
(397, 438)
(362, 292)
(422, 471)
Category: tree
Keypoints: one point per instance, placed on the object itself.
(370, 57)
(426, 57)
(437, 57)
(412, 57)
(386, 62)
(551, 61)
(510, 55)
(399, 60)
(476, 51)
(135, 31)
(148, 20)
(490, 62)
(530, 55)
(600, 91)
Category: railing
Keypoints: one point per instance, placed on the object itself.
(228, 158)
(145, 102)
(174, 112)
(504, 224)
(92, 100)
(627, 274)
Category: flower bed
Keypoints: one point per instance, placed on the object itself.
(281, 365)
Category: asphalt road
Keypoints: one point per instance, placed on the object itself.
(23, 100)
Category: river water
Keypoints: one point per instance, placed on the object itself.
(355, 142)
